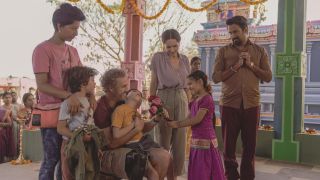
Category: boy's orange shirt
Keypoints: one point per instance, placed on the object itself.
(123, 116)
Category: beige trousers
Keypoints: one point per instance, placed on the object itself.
(174, 140)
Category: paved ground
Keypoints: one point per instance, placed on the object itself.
(265, 170)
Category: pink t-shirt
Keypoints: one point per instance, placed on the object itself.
(54, 60)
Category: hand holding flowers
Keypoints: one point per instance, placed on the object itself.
(157, 111)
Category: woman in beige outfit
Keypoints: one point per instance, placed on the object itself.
(168, 81)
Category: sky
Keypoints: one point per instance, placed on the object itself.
(30, 24)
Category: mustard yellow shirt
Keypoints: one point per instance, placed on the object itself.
(123, 117)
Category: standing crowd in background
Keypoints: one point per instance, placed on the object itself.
(9, 126)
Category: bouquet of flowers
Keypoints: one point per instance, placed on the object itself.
(156, 107)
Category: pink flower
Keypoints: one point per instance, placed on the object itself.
(151, 98)
(153, 110)
(155, 105)
(157, 101)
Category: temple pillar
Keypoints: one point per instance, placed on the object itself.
(207, 70)
(199, 52)
(290, 78)
(308, 68)
(216, 49)
(133, 45)
(203, 57)
(213, 54)
(272, 58)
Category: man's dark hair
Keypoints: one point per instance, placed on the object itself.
(66, 14)
(238, 20)
(170, 34)
(77, 76)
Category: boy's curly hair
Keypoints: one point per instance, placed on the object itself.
(77, 76)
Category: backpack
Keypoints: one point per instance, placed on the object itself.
(136, 162)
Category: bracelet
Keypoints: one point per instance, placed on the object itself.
(233, 69)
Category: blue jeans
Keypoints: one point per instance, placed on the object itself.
(51, 141)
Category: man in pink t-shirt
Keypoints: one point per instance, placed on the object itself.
(50, 59)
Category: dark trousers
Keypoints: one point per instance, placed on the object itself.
(233, 121)
(51, 141)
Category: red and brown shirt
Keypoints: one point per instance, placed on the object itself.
(103, 113)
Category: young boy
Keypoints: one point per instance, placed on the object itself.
(80, 82)
(122, 123)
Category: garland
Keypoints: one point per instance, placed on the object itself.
(186, 7)
(108, 9)
(180, 2)
(253, 2)
(140, 13)
(122, 6)
(105, 7)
